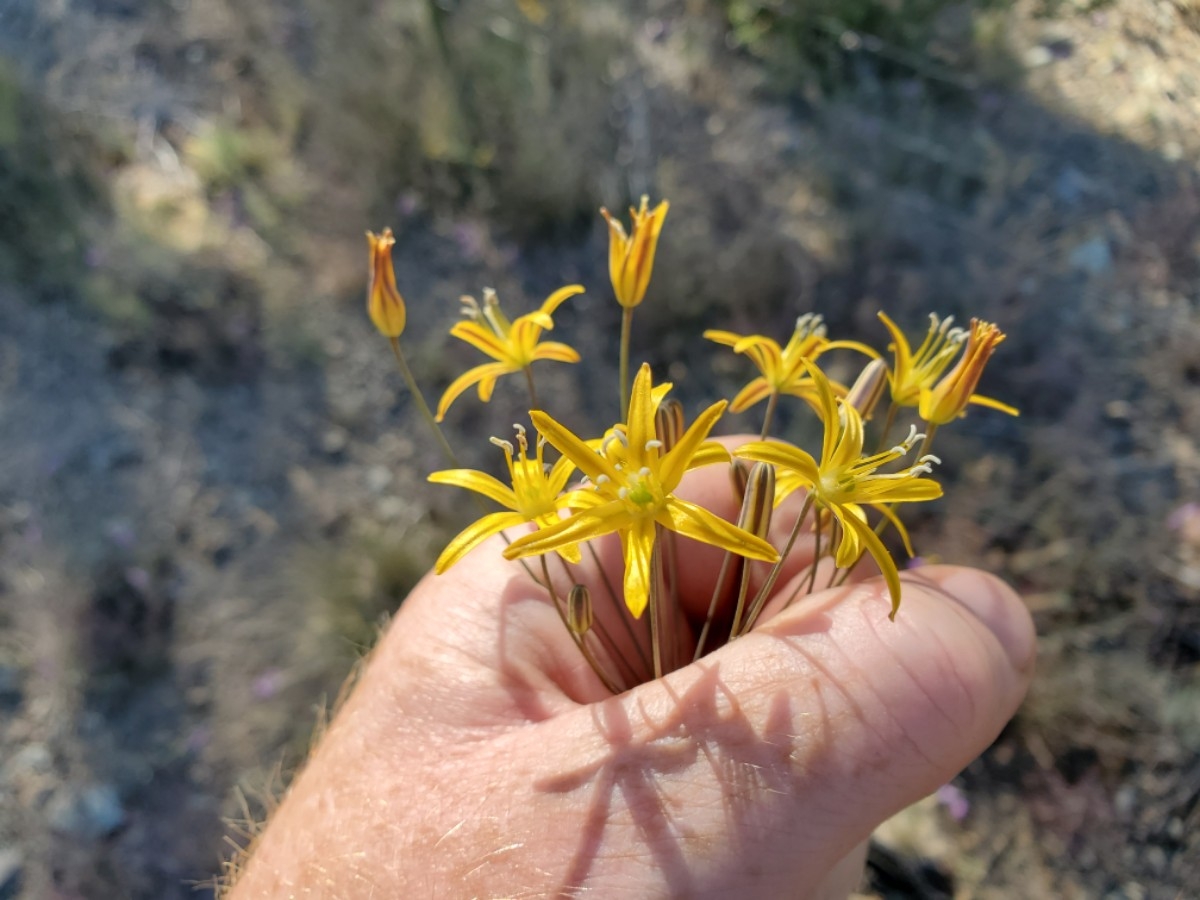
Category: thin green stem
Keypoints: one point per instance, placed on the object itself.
(626, 330)
(533, 396)
(743, 592)
(816, 561)
(718, 589)
(760, 599)
(887, 426)
(769, 415)
(579, 639)
(622, 612)
(602, 632)
(426, 412)
(930, 431)
(655, 625)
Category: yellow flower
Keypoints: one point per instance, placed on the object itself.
(948, 399)
(844, 481)
(513, 345)
(384, 303)
(535, 496)
(914, 372)
(631, 257)
(631, 485)
(782, 368)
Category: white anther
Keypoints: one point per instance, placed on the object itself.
(504, 445)
(929, 458)
(956, 335)
(519, 428)
(623, 493)
(644, 472)
(654, 445)
(602, 479)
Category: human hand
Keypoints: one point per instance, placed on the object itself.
(480, 756)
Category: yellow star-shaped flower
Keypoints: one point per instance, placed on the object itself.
(513, 345)
(536, 496)
(631, 256)
(632, 484)
(782, 368)
(844, 481)
(948, 399)
(913, 372)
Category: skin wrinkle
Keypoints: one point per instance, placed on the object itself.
(898, 659)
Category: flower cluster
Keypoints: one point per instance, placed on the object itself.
(623, 482)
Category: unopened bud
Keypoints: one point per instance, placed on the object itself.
(868, 388)
(759, 500)
(669, 423)
(739, 474)
(579, 610)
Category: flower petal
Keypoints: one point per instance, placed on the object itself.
(675, 463)
(756, 390)
(555, 300)
(864, 533)
(588, 461)
(556, 351)
(728, 338)
(991, 403)
(473, 535)
(479, 482)
(637, 545)
(782, 456)
(699, 524)
(640, 425)
(482, 338)
(582, 526)
(464, 381)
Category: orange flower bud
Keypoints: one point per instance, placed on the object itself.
(384, 303)
(631, 257)
(948, 399)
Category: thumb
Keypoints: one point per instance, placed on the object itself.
(828, 718)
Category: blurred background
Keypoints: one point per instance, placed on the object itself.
(212, 482)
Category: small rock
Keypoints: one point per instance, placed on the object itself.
(1036, 57)
(334, 440)
(378, 478)
(32, 759)
(95, 812)
(10, 688)
(1092, 256)
(10, 873)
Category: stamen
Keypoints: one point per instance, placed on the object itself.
(504, 445)
(929, 458)
(654, 445)
(644, 472)
(601, 479)
(623, 493)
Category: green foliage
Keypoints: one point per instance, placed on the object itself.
(48, 185)
(823, 41)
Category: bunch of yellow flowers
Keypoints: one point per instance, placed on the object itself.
(624, 480)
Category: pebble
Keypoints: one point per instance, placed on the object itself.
(1092, 256)
(91, 813)
(10, 873)
(10, 688)
(334, 440)
(378, 478)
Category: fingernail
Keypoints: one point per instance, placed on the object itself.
(997, 606)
